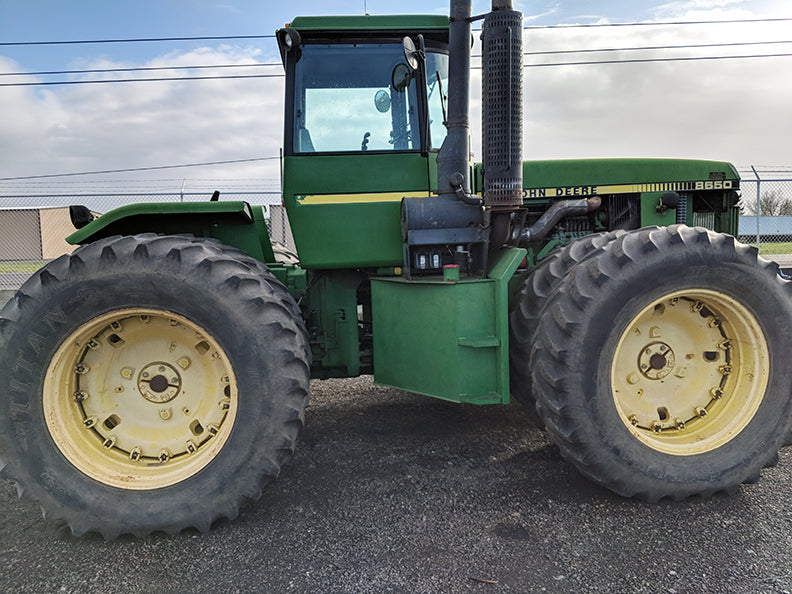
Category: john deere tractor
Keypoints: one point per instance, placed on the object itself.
(157, 377)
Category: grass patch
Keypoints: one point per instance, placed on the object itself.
(6, 267)
(781, 247)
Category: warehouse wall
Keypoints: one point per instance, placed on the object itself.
(20, 235)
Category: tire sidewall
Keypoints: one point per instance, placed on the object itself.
(218, 309)
(600, 421)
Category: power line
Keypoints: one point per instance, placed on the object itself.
(131, 80)
(241, 76)
(650, 47)
(654, 24)
(646, 47)
(526, 27)
(645, 60)
(138, 169)
(136, 40)
(140, 69)
(272, 64)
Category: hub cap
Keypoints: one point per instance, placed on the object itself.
(140, 398)
(690, 372)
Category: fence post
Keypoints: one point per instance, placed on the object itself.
(758, 211)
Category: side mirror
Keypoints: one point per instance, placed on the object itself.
(382, 101)
(414, 55)
(401, 77)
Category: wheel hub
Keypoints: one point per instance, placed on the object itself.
(140, 398)
(159, 382)
(689, 371)
(656, 360)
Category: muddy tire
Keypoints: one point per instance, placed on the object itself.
(658, 365)
(141, 371)
(531, 299)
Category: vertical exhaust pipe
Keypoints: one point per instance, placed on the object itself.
(453, 160)
(502, 107)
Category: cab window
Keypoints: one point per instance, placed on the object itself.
(354, 97)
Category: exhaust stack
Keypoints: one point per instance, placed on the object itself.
(453, 160)
(458, 227)
(501, 118)
(502, 107)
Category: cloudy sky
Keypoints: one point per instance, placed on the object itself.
(730, 109)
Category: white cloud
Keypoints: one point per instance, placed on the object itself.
(722, 109)
(91, 127)
(734, 110)
(689, 6)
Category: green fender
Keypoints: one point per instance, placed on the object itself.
(234, 223)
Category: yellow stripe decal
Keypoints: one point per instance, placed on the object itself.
(685, 186)
(357, 198)
(565, 192)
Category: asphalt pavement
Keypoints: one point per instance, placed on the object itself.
(393, 492)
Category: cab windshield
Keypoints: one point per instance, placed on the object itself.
(363, 97)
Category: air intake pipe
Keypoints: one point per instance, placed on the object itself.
(453, 160)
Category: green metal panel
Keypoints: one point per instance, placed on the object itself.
(331, 315)
(649, 214)
(260, 224)
(445, 339)
(595, 172)
(370, 23)
(567, 178)
(234, 223)
(345, 210)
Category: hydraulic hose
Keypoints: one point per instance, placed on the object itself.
(559, 210)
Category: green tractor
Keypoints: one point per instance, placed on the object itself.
(157, 377)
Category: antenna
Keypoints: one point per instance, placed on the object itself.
(365, 8)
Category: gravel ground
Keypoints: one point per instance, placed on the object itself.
(392, 492)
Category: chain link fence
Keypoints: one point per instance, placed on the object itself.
(766, 212)
(33, 227)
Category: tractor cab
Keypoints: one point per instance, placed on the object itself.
(362, 131)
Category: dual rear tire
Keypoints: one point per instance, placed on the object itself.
(657, 363)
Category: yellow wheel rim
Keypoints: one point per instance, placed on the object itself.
(690, 372)
(140, 398)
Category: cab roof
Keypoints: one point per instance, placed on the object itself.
(390, 22)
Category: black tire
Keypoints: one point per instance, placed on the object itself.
(531, 299)
(598, 371)
(236, 346)
(279, 288)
